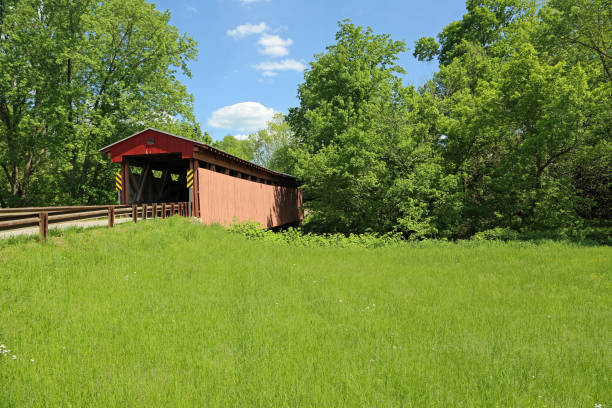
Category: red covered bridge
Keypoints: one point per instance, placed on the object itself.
(155, 168)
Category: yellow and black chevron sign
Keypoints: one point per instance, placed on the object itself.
(189, 178)
(118, 181)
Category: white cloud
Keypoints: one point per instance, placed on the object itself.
(252, 1)
(247, 29)
(274, 45)
(269, 74)
(191, 9)
(241, 136)
(284, 65)
(243, 116)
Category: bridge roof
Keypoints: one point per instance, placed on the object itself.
(153, 141)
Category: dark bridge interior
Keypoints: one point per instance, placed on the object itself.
(157, 178)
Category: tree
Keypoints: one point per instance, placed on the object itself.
(79, 75)
(512, 132)
(364, 146)
(518, 113)
(237, 147)
(484, 24)
(29, 96)
(271, 146)
(267, 147)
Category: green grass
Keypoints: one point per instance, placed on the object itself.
(169, 313)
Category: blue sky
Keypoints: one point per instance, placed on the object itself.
(252, 52)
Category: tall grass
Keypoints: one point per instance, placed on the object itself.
(169, 313)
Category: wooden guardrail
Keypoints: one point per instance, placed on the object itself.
(16, 218)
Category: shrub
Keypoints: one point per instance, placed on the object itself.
(498, 234)
(296, 236)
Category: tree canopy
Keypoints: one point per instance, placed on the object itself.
(75, 74)
(512, 132)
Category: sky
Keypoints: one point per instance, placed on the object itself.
(252, 53)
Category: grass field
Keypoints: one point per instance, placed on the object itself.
(169, 313)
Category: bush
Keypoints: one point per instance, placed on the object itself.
(497, 234)
(296, 236)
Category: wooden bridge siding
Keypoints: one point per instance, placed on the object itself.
(223, 198)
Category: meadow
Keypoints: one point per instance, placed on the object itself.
(170, 313)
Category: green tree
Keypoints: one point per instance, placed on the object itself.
(484, 24)
(237, 147)
(270, 146)
(364, 144)
(78, 75)
(518, 113)
(267, 147)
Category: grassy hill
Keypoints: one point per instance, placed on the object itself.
(169, 313)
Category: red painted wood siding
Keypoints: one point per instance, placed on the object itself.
(162, 143)
(223, 198)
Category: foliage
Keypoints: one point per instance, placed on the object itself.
(503, 234)
(596, 234)
(297, 237)
(365, 145)
(168, 313)
(268, 147)
(238, 147)
(75, 75)
(512, 133)
(271, 145)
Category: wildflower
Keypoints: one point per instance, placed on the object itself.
(340, 300)
(32, 360)
(2, 346)
(14, 357)
(597, 406)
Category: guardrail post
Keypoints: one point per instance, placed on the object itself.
(144, 211)
(154, 211)
(163, 214)
(134, 212)
(111, 216)
(43, 225)
(172, 209)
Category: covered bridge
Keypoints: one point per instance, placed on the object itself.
(156, 167)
